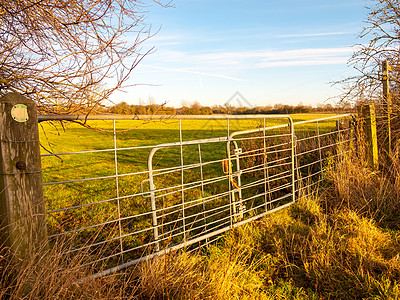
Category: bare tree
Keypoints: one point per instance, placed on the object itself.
(382, 32)
(382, 36)
(70, 55)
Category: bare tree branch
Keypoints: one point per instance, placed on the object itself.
(70, 56)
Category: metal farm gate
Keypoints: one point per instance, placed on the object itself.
(188, 191)
(191, 201)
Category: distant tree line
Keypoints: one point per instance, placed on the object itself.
(124, 108)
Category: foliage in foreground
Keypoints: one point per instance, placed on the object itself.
(341, 244)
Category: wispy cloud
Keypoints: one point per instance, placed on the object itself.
(271, 58)
(218, 63)
(312, 34)
(297, 63)
(192, 72)
(306, 57)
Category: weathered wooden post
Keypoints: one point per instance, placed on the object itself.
(387, 103)
(367, 116)
(22, 210)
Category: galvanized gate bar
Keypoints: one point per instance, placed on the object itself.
(42, 118)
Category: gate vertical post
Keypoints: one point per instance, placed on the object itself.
(22, 210)
(293, 152)
(366, 113)
(153, 199)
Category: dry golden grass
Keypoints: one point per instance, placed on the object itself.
(373, 194)
(53, 276)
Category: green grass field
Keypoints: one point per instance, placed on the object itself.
(74, 137)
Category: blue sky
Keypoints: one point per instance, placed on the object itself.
(286, 51)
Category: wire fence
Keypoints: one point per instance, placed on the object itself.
(147, 188)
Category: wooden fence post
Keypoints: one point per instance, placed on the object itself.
(22, 210)
(387, 104)
(366, 114)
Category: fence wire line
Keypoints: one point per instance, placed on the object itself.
(192, 196)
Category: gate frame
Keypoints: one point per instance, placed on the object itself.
(228, 139)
